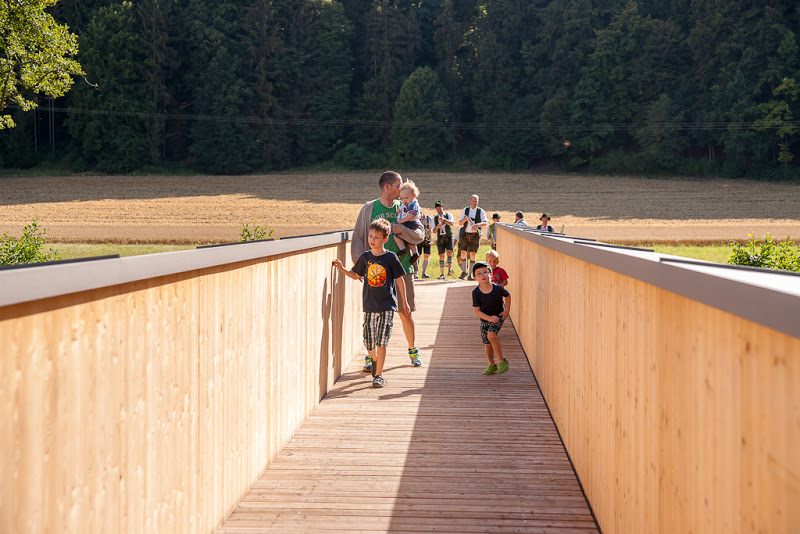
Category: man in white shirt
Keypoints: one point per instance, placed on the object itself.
(472, 220)
(520, 219)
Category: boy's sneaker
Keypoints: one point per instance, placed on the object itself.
(451, 272)
(462, 276)
(367, 365)
(402, 252)
(414, 355)
(378, 382)
(441, 277)
(414, 257)
(502, 367)
(425, 275)
(491, 368)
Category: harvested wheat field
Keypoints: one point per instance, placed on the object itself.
(210, 209)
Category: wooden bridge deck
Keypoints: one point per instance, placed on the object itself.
(441, 448)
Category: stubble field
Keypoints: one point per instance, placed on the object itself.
(210, 209)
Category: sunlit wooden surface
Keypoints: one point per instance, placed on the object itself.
(441, 448)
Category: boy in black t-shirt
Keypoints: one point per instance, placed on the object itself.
(487, 303)
(381, 271)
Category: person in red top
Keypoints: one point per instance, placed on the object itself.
(499, 275)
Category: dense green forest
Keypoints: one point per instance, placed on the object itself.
(700, 87)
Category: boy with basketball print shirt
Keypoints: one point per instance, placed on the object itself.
(382, 272)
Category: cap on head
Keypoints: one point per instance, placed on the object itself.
(544, 216)
(496, 216)
(438, 204)
(480, 265)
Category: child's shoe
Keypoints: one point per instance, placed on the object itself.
(414, 257)
(491, 368)
(502, 367)
(378, 382)
(367, 365)
(403, 251)
(414, 355)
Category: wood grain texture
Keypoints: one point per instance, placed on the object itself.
(153, 406)
(679, 417)
(442, 448)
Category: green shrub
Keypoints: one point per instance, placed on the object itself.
(354, 157)
(770, 254)
(28, 248)
(256, 233)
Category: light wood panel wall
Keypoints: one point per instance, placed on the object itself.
(678, 417)
(153, 406)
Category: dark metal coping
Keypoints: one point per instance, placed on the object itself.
(764, 296)
(40, 281)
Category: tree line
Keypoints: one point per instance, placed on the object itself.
(698, 87)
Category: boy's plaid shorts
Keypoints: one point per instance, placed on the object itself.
(377, 328)
(487, 326)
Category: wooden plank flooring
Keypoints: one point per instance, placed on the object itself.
(442, 448)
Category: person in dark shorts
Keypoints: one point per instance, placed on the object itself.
(492, 304)
(425, 246)
(382, 274)
(472, 220)
(493, 230)
(443, 230)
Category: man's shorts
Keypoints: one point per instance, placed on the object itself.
(487, 326)
(444, 243)
(470, 242)
(424, 249)
(377, 328)
(408, 280)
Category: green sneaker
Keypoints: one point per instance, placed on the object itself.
(502, 367)
(490, 369)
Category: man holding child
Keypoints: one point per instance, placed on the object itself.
(385, 207)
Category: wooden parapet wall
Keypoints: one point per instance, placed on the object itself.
(147, 394)
(675, 384)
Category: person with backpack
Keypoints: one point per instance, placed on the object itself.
(472, 220)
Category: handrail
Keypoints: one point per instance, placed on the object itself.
(764, 296)
(44, 281)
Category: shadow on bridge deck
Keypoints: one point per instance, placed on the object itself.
(440, 448)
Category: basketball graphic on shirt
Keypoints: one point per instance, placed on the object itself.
(376, 275)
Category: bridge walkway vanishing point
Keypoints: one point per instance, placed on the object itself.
(441, 448)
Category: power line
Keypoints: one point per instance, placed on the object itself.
(563, 127)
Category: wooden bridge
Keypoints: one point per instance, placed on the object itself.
(219, 390)
(442, 448)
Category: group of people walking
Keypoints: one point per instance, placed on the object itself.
(389, 235)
